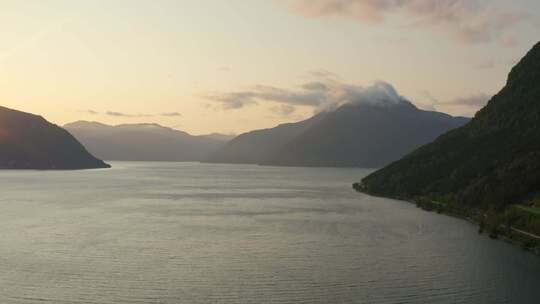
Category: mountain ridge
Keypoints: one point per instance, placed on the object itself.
(255, 146)
(365, 135)
(331, 138)
(29, 141)
(492, 162)
(142, 142)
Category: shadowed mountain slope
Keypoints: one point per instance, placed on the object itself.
(142, 142)
(368, 134)
(365, 135)
(258, 146)
(28, 141)
(493, 161)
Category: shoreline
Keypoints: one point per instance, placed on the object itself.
(509, 234)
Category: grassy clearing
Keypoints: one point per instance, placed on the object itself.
(531, 210)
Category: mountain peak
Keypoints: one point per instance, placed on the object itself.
(376, 127)
(527, 71)
(219, 136)
(86, 124)
(142, 142)
(144, 126)
(379, 94)
(382, 103)
(29, 141)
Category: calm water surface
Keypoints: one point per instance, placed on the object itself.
(197, 233)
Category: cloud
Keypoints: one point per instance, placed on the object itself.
(483, 64)
(476, 101)
(171, 114)
(473, 102)
(508, 41)
(91, 112)
(431, 101)
(322, 74)
(467, 105)
(121, 114)
(236, 100)
(464, 21)
(284, 109)
(319, 95)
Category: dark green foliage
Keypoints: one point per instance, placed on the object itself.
(524, 218)
(495, 224)
(531, 244)
(430, 205)
(491, 162)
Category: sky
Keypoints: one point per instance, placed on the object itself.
(231, 66)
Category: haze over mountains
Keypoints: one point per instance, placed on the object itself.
(258, 146)
(28, 141)
(143, 142)
(491, 162)
(370, 132)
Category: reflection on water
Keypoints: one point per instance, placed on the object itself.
(197, 233)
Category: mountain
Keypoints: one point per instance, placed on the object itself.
(28, 141)
(142, 142)
(258, 146)
(491, 162)
(365, 134)
(368, 135)
(219, 136)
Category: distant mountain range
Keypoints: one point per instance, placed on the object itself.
(144, 142)
(219, 136)
(28, 141)
(360, 135)
(490, 163)
(258, 146)
(365, 134)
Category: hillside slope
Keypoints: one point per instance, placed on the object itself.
(28, 141)
(142, 142)
(491, 162)
(258, 146)
(365, 135)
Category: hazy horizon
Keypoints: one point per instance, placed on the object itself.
(230, 67)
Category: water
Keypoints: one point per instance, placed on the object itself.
(197, 233)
